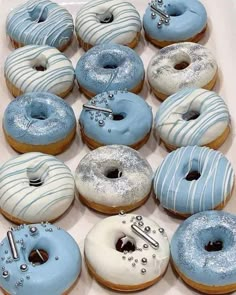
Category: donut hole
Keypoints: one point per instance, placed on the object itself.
(214, 246)
(40, 64)
(190, 115)
(39, 14)
(113, 173)
(118, 117)
(106, 18)
(181, 61)
(38, 257)
(38, 111)
(175, 10)
(36, 178)
(110, 67)
(125, 243)
(193, 175)
(181, 66)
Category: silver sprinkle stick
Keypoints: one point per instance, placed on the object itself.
(137, 230)
(95, 108)
(39, 254)
(159, 12)
(12, 244)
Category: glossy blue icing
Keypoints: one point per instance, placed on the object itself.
(100, 127)
(109, 67)
(217, 268)
(38, 118)
(53, 277)
(190, 20)
(178, 194)
(40, 23)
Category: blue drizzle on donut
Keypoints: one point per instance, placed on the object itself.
(109, 67)
(187, 19)
(40, 22)
(215, 268)
(55, 276)
(178, 194)
(134, 122)
(38, 118)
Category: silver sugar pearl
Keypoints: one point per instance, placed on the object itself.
(101, 123)
(125, 252)
(159, 25)
(111, 96)
(153, 15)
(140, 223)
(23, 267)
(144, 260)
(143, 271)
(139, 218)
(161, 230)
(130, 258)
(147, 228)
(122, 213)
(33, 230)
(167, 21)
(5, 274)
(145, 246)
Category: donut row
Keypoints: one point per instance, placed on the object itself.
(126, 252)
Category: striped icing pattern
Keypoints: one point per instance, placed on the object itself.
(175, 130)
(178, 194)
(123, 29)
(20, 69)
(40, 22)
(31, 203)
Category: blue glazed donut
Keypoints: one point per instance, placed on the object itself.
(193, 179)
(39, 122)
(116, 117)
(40, 23)
(180, 21)
(203, 251)
(46, 260)
(109, 67)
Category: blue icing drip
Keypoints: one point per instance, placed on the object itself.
(47, 278)
(40, 22)
(187, 197)
(137, 121)
(188, 252)
(109, 67)
(190, 19)
(39, 118)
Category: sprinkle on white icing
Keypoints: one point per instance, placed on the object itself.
(164, 78)
(20, 69)
(211, 123)
(35, 203)
(123, 29)
(101, 253)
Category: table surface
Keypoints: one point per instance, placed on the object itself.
(220, 38)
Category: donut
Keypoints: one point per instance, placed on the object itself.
(170, 21)
(127, 252)
(193, 117)
(181, 66)
(108, 21)
(39, 122)
(35, 68)
(116, 117)
(39, 259)
(35, 187)
(203, 252)
(40, 23)
(193, 179)
(113, 178)
(109, 67)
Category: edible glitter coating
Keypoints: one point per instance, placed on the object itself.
(40, 23)
(137, 121)
(187, 19)
(163, 76)
(133, 185)
(53, 277)
(38, 118)
(188, 252)
(109, 67)
(211, 189)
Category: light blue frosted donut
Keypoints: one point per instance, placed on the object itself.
(186, 20)
(109, 67)
(40, 23)
(24, 275)
(203, 249)
(193, 179)
(38, 118)
(130, 122)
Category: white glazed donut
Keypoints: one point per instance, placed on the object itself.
(113, 178)
(36, 68)
(108, 21)
(123, 260)
(179, 66)
(35, 187)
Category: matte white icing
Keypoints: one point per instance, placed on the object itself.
(164, 78)
(126, 269)
(30, 203)
(57, 78)
(133, 185)
(212, 121)
(123, 29)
